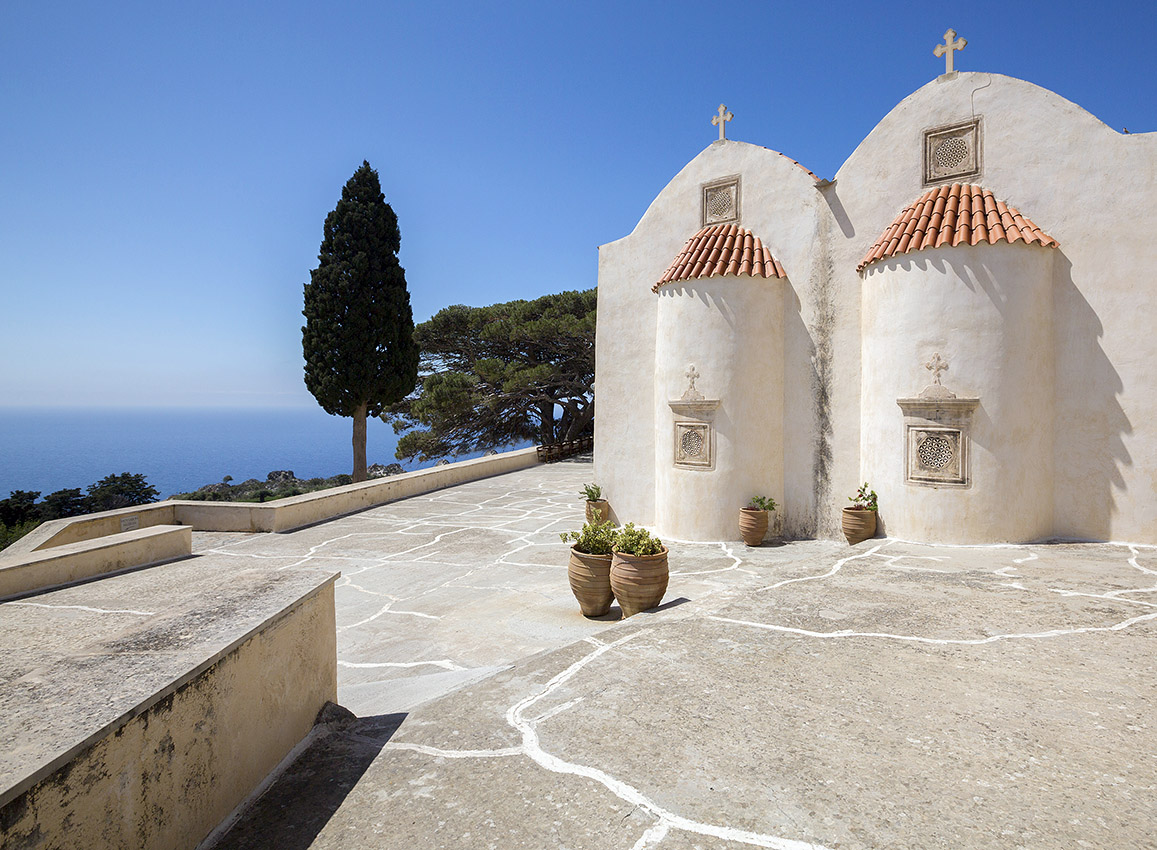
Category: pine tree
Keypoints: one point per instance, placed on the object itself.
(492, 376)
(358, 339)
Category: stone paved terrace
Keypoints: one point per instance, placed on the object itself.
(887, 695)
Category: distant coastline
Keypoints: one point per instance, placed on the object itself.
(177, 449)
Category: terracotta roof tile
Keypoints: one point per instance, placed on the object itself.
(795, 162)
(721, 249)
(960, 214)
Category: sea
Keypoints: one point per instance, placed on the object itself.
(179, 449)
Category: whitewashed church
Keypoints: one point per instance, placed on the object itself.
(965, 317)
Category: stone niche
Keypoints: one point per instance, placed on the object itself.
(937, 438)
(694, 433)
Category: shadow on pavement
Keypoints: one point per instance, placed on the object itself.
(301, 801)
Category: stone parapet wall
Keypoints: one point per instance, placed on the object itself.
(74, 562)
(109, 541)
(159, 764)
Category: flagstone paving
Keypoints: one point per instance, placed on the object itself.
(806, 695)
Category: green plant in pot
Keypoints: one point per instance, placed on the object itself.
(859, 519)
(753, 519)
(589, 570)
(639, 572)
(597, 508)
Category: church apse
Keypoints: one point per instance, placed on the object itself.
(719, 379)
(960, 286)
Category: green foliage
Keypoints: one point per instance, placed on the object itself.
(19, 507)
(63, 503)
(491, 376)
(9, 534)
(120, 491)
(262, 491)
(637, 541)
(592, 492)
(358, 338)
(762, 503)
(597, 538)
(865, 499)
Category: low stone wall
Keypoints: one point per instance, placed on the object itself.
(111, 538)
(164, 773)
(61, 532)
(73, 562)
(281, 515)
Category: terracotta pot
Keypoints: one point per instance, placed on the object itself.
(859, 524)
(598, 511)
(639, 581)
(590, 582)
(752, 525)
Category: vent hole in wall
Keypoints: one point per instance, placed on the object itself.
(692, 443)
(935, 453)
(719, 203)
(950, 153)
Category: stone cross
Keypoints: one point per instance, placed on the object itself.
(936, 366)
(721, 120)
(946, 49)
(692, 377)
(692, 394)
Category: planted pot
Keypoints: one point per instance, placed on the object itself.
(590, 582)
(639, 581)
(598, 510)
(858, 524)
(752, 525)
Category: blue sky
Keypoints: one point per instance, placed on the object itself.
(165, 169)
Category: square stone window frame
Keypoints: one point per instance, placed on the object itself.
(916, 475)
(704, 218)
(932, 136)
(683, 426)
(943, 414)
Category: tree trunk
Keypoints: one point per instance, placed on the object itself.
(580, 422)
(546, 421)
(360, 443)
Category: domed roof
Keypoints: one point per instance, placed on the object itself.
(721, 249)
(960, 214)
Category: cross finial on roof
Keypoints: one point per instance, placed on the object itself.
(936, 365)
(950, 44)
(721, 120)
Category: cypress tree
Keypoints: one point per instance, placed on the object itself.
(358, 339)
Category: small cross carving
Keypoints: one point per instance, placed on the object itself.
(950, 44)
(692, 394)
(936, 365)
(721, 120)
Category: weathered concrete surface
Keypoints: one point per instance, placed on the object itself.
(141, 709)
(444, 589)
(886, 695)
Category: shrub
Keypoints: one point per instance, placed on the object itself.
(637, 541)
(595, 538)
(762, 503)
(864, 500)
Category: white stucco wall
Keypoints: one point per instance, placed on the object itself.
(987, 310)
(780, 204)
(1095, 191)
(1088, 186)
(731, 328)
